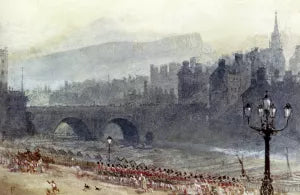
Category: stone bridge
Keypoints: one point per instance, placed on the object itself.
(161, 121)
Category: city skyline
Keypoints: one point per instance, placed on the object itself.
(37, 33)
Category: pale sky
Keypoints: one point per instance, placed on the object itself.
(31, 23)
(38, 27)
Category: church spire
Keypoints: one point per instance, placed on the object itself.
(276, 23)
(275, 38)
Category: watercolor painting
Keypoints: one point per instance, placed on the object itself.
(171, 97)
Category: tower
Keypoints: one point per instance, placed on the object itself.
(275, 37)
(185, 82)
(154, 76)
(3, 69)
(145, 88)
(276, 60)
(22, 81)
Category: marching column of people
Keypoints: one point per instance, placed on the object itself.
(149, 179)
(142, 177)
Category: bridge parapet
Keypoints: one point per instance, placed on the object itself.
(163, 121)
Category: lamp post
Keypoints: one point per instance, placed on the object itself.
(109, 140)
(267, 113)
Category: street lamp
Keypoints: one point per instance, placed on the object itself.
(109, 140)
(267, 111)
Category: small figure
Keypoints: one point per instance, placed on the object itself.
(86, 187)
(53, 186)
(96, 188)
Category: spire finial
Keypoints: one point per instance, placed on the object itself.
(276, 24)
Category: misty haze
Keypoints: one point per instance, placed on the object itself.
(149, 97)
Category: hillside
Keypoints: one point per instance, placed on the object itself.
(117, 59)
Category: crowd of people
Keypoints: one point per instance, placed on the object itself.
(143, 178)
(151, 178)
(30, 162)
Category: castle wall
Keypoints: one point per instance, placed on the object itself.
(3, 69)
(14, 120)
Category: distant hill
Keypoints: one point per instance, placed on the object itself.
(104, 30)
(115, 58)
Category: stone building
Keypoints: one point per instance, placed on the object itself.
(228, 82)
(15, 121)
(257, 88)
(294, 63)
(272, 58)
(280, 92)
(233, 77)
(3, 69)
(185, 82)
(218, 90)
(164, 77)
(157, 95)
(192, 84)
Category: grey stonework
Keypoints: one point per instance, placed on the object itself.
(192, 83)
(163, 121)
(295, 61)
(14, 121)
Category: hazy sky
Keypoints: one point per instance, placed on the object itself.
(28, 23)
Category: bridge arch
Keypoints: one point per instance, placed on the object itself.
(72, 127)
(129, 130)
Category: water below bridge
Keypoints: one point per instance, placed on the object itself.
(121, 130)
